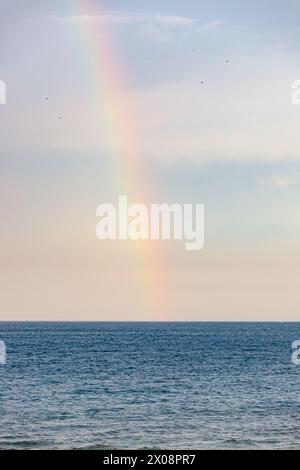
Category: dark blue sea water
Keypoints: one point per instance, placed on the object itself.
(149, 385)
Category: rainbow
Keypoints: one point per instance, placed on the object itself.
(109, 81)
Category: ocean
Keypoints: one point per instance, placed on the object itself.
(149, 386)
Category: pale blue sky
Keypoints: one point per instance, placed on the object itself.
(231, 142)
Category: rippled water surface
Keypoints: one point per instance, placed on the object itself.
(149, 385)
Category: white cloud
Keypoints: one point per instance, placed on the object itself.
(276, 181)
(116, 17)
(174, 21)
(132, 18)
(155, 26)
(211, 25)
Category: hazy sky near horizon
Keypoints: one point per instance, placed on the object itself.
(200, 93)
